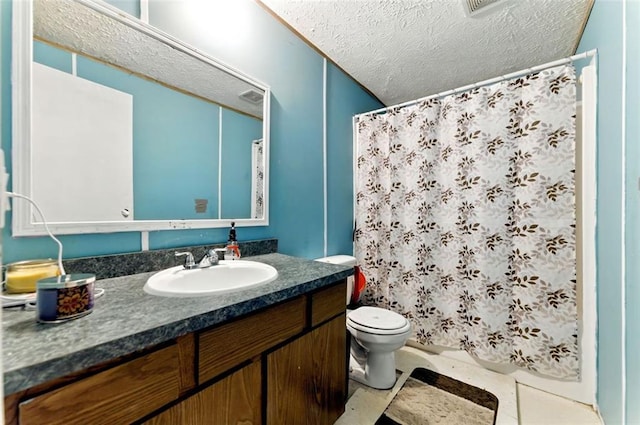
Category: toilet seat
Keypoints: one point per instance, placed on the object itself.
(378, 321)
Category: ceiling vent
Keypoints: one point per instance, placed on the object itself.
(478, 7)
(252, 96)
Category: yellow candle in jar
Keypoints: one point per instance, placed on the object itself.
(22, 276)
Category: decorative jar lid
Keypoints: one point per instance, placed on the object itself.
(66, 281)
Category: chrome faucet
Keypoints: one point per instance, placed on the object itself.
(210, 258)
(189, 262)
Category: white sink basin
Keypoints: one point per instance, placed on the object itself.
(227, 276)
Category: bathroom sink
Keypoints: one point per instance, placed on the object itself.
(227, 276)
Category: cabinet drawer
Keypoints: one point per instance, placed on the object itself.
(328, 303)
(229, 345)
(121, 394)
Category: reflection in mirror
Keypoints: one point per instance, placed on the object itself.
(131, 129)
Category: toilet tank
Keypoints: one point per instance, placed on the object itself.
(343, 260)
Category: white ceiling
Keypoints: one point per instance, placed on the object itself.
(402, 50)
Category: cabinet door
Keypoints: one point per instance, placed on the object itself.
(306, 379)
(118, 395)
(233, 400)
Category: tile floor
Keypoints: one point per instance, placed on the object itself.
(518, 404)
(538, 407)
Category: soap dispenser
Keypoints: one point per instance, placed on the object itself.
(233, 250)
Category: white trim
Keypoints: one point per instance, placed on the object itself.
(324, 158)
(74, 64)
(588, 348)
(144, 11)
(623, 268)
(489, 81)
(22, 57)
(65, 228)
(144, 241)
(219, 163)
(21, 60)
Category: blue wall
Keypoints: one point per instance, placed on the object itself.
(344, 101)
(269, 52)
(618, 213)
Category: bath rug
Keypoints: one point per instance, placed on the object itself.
(428, 398)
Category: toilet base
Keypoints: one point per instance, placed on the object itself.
(379, 370)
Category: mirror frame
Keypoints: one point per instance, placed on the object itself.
(22, 57)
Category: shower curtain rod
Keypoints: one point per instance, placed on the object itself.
(547, 65)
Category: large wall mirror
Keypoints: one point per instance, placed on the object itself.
(118, 126)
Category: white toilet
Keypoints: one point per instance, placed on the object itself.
(376, 333)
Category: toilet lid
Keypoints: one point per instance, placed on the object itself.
(375, 318)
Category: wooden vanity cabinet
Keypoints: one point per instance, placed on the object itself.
(306, 378)
(236, 399)
(120, 394)
(285, 364)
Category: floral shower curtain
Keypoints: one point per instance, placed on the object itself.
(465, 213)
(257, 179)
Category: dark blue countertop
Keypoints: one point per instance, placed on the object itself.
(126, 319)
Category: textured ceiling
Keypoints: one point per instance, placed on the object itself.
(404, 50)
(81, 29)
